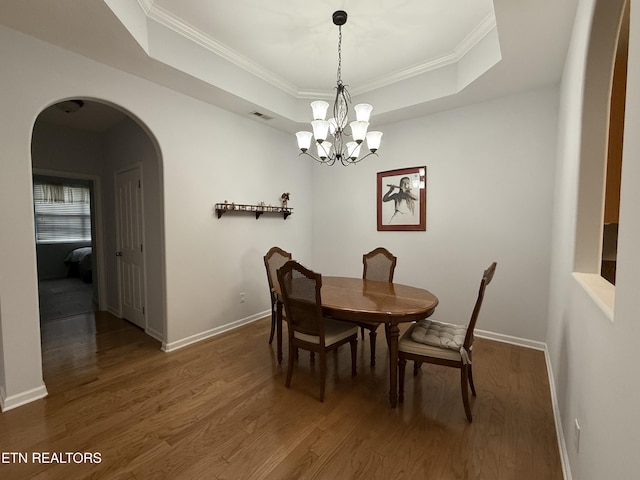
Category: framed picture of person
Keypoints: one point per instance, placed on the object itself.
(402, 199)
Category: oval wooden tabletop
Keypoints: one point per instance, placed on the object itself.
(371, 301)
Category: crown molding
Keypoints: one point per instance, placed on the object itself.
(179, 26)
(167, 19)
(471, 40)
(146, 5)
(406, 73)
(486, 26)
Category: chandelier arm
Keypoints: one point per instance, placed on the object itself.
(343, 160)
(360, 159)
(329, 161)
(322, 145)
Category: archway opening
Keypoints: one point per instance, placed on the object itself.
(86, 143)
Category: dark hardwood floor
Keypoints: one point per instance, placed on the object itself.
(64, 297)
(219, 410)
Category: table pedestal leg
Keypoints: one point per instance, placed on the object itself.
(279, 330)
(393, 332)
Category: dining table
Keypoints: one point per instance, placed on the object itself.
(360, 300)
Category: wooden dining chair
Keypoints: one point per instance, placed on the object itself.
(379, 264)
(308, 329)
(273, 260)
(429, 341)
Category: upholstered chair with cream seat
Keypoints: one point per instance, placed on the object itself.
(308, 329)
(430, 341)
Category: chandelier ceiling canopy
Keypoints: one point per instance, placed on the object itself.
(339, 150)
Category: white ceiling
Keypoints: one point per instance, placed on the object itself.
(296, 40)
(272, 56)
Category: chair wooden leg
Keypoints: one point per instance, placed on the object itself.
(323, 374)
(362, 332)
(273, 324)
(464, 382)
(402, 365)
(291, 356)
(354, 354)
(372, 342)
(473, 388)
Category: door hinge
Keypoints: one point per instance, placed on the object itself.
(143, 310)
(140, 247)
(139, 184)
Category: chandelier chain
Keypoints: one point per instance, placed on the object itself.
(339, 74)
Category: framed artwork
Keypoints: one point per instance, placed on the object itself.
(402, 199)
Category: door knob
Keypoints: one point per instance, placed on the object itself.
(118, 254)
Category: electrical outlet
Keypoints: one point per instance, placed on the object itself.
(576, 436)
(242, 297)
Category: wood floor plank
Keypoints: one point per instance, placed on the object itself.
(219, 410)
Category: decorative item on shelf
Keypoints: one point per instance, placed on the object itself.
(285, 198)
(345, 152)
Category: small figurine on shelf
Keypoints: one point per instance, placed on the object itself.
(285, 198)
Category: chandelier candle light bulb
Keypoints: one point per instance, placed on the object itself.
(339, 150)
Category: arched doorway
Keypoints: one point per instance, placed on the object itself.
(88, 141)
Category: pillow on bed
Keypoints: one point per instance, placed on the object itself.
(76, 255)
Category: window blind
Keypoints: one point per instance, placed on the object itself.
(62, 213)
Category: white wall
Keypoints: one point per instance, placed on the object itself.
(208, 261)
(594, 357)
(490, 173)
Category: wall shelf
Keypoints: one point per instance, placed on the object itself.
(222, 208)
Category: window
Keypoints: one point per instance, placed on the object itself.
(62, 213)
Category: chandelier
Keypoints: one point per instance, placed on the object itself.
(340, 150)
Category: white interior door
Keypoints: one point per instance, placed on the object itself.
(130, 246)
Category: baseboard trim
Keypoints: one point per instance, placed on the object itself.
(149, 331)
(15, 401)
(154, 334)
(562, 444)
(523, 342)
(171, 346)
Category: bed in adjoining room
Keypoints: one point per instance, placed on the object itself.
(79, 262)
